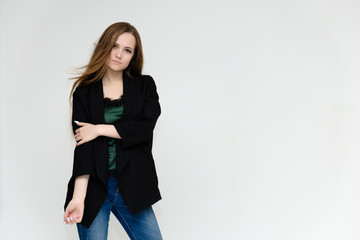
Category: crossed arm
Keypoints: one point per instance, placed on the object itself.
(88, 132)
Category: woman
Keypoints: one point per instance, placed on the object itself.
(115, 109)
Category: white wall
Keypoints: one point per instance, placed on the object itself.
(259, 134)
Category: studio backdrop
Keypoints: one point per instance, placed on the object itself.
(259, 132)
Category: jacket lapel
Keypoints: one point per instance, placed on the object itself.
(130, 101)
(129, 97)
(97, 103)
(100, 147)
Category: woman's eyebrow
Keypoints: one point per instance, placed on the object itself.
(125, 46)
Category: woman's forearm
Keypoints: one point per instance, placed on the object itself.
(80, 187)
(107, 130)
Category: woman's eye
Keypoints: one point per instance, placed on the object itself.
(114, 46)
(128, 50)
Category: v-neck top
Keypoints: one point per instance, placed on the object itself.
(113, 110)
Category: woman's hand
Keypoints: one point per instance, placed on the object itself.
(85, 133)
(74, 211)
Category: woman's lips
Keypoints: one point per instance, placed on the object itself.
(116, 62)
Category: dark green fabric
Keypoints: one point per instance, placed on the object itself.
(113, 114)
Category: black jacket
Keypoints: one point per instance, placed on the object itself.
(136, 174)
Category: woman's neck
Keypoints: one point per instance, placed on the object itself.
(112, 77)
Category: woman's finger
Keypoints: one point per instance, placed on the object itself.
(78, 220)
(77, 137)
(66, 215)
(80, 142)
(81, 123)
(72, 220)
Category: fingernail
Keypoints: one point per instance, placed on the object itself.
(76, 121)
(68, 219)
(71, 218)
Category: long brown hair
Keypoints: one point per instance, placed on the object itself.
(96, 68)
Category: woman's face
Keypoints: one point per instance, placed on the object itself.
(122, 52)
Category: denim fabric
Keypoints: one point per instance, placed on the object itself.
(138, 226)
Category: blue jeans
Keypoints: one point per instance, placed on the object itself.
(142, 225)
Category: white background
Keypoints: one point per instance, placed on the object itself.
(259, 133)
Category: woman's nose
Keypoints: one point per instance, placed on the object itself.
(118, 53)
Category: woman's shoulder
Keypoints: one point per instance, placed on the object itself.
(143, 78)
(80, 91)
(84, 89)
(146, 80)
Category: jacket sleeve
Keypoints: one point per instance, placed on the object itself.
(133, 132)
(83, 162)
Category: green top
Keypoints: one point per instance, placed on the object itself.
(113, 111)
